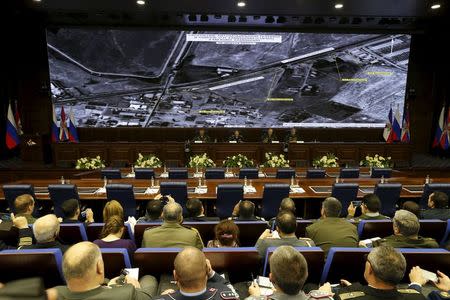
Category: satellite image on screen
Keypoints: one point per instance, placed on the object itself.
(147, 78)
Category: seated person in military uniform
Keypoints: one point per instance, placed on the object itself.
(84, 272)
(245, 211)
(236, 137)
(370, 209)
(292, 136)
(196, 280)
(34, 289)
(196, 212)
(406, 232)
(286, 225)
(171, 234)
(202, 137)
(331, 230)
(438, 207)
(384, 269)
(288, 274)
(417, 281)
(269, 136)
(153, 212)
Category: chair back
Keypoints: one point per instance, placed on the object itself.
(178, 173)
(381, 172)
(178, 191)
(345, 193)
(315, 173)
(389, 193)
(12, 191)
(250, 173)
(144, 173)
(215, 173)
(349, 173)
(285, 173)
(72, 233)
(430, 188)
(60, 193)
(228, 195)
(111, 173)
(272, 195)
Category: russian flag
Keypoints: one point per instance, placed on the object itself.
(439, 129)
(387, 132)
(12, 136)
(444, 136)
(73, 134)
(397, 131)
(406, 136)
(55, 128)
(63, 132)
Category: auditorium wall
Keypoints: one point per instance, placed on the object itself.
(25, 78)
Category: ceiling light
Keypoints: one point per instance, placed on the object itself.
(338, 5)
(140, 2)
(241, 4)
(435, 6)
(37, 0)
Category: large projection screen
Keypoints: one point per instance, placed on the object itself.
(166, 78)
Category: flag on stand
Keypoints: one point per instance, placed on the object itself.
(444, 141)
(406, 135)
(17, 119)
(439, 128)
(12, 136)
(55, 128)
(73, 134)
(63, 132)
(387, 133)
(397, 131)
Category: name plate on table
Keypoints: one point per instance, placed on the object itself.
(130, 175)
(201, 190)
(101, 190)
(413, 188)
(41, 190)
(164, 175)
(87, 190)
(198, 175)
(367, 189)
(321, 189)
(300, 142)
(152, 190)
(261, 175)
(249, 189)
(198, 142)
(232, 142)
(297, 190)
(275, 142)
(139, 190)
(229, 175)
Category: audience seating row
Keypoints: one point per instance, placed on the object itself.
(239, 263)
(251, 230)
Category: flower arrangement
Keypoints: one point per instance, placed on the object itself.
(275, 161)
(147, 161)
(377, 161)
(90, 163)
(329, 160)
(238, 161)
(201, 161)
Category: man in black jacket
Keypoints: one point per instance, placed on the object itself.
(438, 207)
(197, 212)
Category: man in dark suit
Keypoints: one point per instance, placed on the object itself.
(197, 212)
(245, 211)
(370, 209)
(384, 269)
(46, 231)
(438, 207)
(71, 211)
(196, 279)
(84, 272)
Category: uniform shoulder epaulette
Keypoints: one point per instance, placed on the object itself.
(408, 291)
(351, 295)
(444, 295)
(150, 228)
(187, 227)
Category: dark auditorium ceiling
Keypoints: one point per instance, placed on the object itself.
(397, 15)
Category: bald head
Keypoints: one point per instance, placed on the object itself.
(80, 262)
(46, 228)
(191, 271)
(287, 204)
(173, 212)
